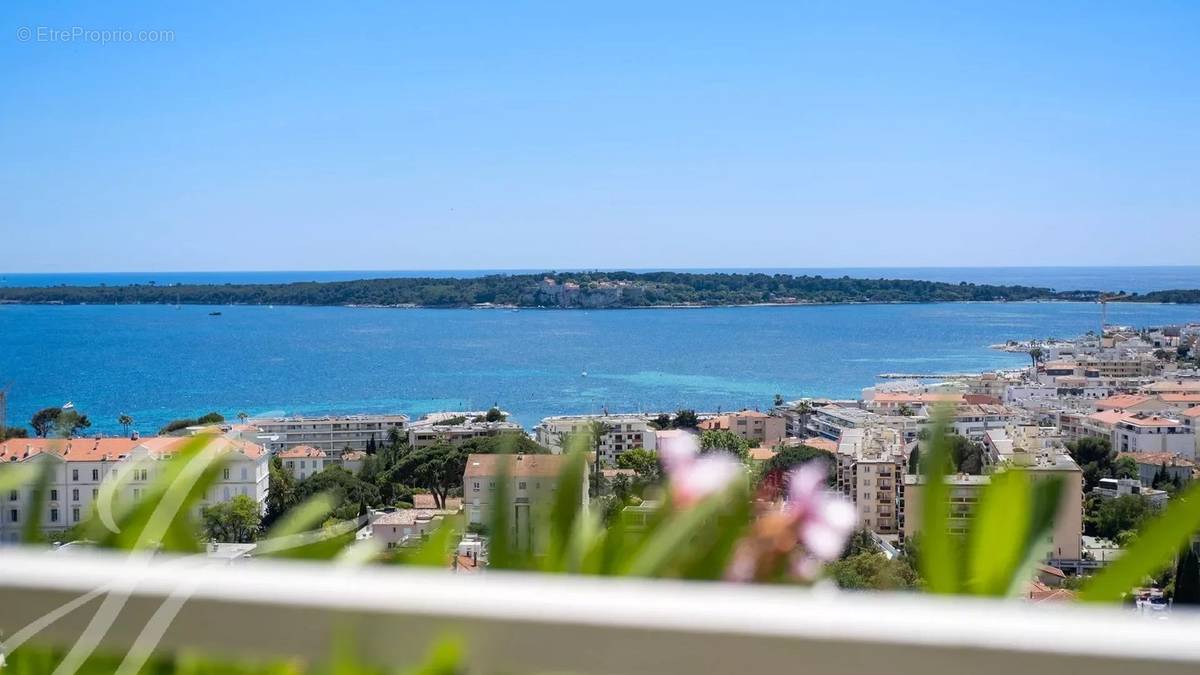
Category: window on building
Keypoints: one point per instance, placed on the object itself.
(74, 494)
(521, 485)
(245, 476)
(75, 515)
(95, 474)
(54, 515)
(53, 495)
(13, 516)
(13, 495)
(74, 474)
(94, 493)
(475, 486)
(225, 474)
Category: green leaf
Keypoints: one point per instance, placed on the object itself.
(501, 554)
(35, 507)
(434, 551)
(16, 476)
(580, 546)
(304, 517)
(939, 558)
(668, 543)
(1157, 544)
(446, 657)
(568, 503)
(1047, 497)
(998, 539)
(162, 518)
(713, 551)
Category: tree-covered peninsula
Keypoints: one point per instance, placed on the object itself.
(568, 290)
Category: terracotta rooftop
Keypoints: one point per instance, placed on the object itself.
(547, 466)
(909, 397)
(113, 449)
(761, 454)
(1109, 417)
(301, 452)
(1190, 399)
(815, 442)
(1168, 458)
(407, 516)
(427, 501)
(1150, 421)
(75, 449)
(1121, 401)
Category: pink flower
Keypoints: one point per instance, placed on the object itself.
(694, 477)
(824, 522)
(797, 540)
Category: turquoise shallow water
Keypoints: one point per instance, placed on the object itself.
(158, 363)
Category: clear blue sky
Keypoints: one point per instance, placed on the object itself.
(449, 135)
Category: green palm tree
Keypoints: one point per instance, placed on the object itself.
(125, 421)
(242, 417)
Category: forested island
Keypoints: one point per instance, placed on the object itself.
(587, 290)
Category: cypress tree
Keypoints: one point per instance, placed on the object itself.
(1187, 578)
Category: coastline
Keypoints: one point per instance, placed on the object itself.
(60, 303)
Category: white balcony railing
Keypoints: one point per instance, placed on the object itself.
(529, 624)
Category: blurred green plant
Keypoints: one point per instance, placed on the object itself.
(666, 541)
(1008, 529)
(694, 536)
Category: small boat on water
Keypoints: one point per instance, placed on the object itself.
(214, 314)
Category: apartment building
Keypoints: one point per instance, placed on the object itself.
(1151, 463)
(974, 421)
(897, 402)
(532, 480)
(456, 428)
(832, 421)
(79, 467)
(1063, 545)
(759, 428)
(1007, 445)
(1146, 432)
(870, 468)
(303, 461)
(1191, 419)
(1109, 367)
(621, 433)
(1111, 488)
(333, 434)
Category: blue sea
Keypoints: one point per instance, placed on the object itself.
(159, 363)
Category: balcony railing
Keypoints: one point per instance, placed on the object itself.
(528, 624)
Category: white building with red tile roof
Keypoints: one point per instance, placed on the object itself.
(79, 467)
(303, 461)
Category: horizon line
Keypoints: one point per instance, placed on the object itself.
(533, 270)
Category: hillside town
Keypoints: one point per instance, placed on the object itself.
(1115, 416)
